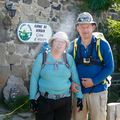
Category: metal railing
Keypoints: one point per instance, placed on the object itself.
(115, 79)
(115, 82)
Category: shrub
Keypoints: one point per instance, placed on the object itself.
(114, 38)
(20, 103)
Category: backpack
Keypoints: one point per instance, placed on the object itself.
(45, 48)
(98, 36)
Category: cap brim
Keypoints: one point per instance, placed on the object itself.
(86, 23)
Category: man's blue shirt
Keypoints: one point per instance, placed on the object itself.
(96, 72)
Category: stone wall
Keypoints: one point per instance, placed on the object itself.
(16, 57)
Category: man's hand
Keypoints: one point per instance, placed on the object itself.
(87, 82)
(79, 104)
(75, 87)
(33, 106)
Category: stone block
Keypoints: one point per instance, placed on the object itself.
(13, 59)
(31, 18)
(118, 112)
(27, 61)
(15, 1)
(15, 87)
(6, 24)
(2, 53)
(43, 3)
(27, 1)
(21, 49)
(56, 7)
(113, 111)
(19, 70)
(10, 48)
(4, 74)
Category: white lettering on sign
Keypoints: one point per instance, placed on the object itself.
(34, 32)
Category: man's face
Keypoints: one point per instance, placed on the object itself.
(85, 30)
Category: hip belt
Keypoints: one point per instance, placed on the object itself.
(53, 96)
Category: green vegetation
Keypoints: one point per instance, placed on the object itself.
(20, 103)
(116, 7)
(114, 38)
(114, 31)
(113, 95)
(97, 6)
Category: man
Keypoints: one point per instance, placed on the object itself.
(92, 72)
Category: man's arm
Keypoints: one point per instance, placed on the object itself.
(108, 66)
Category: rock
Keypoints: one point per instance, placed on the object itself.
(113, 111)
(43, 3)
(27, 1)
(15, 87)
(25, 115)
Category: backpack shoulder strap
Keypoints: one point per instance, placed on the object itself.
(98, 49)
(74, 48)
(65, 60)
(99, 36)
(44, 58)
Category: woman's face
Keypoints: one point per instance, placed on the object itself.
(59, 45)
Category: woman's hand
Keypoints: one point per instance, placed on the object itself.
(33, 106)
(74, 87)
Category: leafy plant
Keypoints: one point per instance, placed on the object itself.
(114, 31)
(114, 38)
(99, 5)
(116, 6)
(20, 103)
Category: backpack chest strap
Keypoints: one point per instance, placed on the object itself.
(44, 61)
(89, 60)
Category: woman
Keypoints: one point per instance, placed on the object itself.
(53, 82)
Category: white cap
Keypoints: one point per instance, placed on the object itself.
(61, 36)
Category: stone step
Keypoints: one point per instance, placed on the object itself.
(18, 116)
